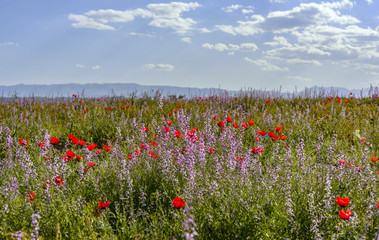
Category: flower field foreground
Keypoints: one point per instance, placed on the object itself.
(220, 167)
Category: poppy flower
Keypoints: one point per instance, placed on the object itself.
(327, 116)
(244, 125)
(374, 159)
(74, 95)
(267, 101)
(54, 140)
(109, 109)
(257, 150)
(211, 150)
(271, 134)
(103, 205)
(178, 134)
(23, 142)
(91, 147)
(235, 125)
(130, 156)
(221, 124)
(174, 111)
(178, 203)
(229, 119)
(122, 108)
(153, 143)
(41, 144)
(145, 129)
(345, 215)
(169, 122)
(363, 140)
(79, 158)
(167, 129)
(32, 196)
(278, 129)
(127, 106)
(82, 142)
(177, 106)
(85, 112)
(71, 136)
(283, 137)
(75, 141)
(70, 154)
(341, 162)
(342, 202)
(90, 164)
(98, 152)
(107, 148)
(59, 181)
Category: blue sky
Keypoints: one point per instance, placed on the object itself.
(261, 44)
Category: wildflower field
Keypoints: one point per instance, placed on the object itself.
(250, 166)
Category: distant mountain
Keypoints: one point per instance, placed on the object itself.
(128, 89)
(98, 90)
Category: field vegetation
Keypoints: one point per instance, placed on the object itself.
(249, 166)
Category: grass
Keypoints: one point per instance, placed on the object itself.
(287, 192)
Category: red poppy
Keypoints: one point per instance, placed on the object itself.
(82, 142)
(278, 129)
(169, 122)
(79, 158)
(235, 125)
(91, 147)
(327, 116)
(251, 122)
(341, 162)
(98, 152)
(283, 137)
(211, 150)
(178, 134)
(41, 144)
(145, 129)
(271, 134)
(329, 99)
(70, 154)
(257, 138)
(194, 129)
(153, 143)
(23, 142)
(363, 140)
(167, 129)
(229, 119)
(374, 159)
(54, 140)
(178, 203)
(345, 215)
(221, 124)
(130, 156)
(107, 148)
(75, 141)
(103, 205)
(85, 112)
(109, 109)
(244, 125)
(74, 95)
(90, 164)
(257, 150)
(177, 106)
(268, 101)
(59, 181)
(342, 202)
(32, 196)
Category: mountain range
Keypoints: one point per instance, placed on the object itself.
(128, 89)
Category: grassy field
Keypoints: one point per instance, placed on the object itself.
(223, 167)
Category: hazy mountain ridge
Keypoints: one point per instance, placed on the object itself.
(127, 89)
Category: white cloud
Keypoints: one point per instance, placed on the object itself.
(247, 11)
(300, 79)
(141, 34)
(159, 67)
(186, 40)
(300, 17)
(8, 44)
(279, 41)
(369, 2)
(231, 8)
(163, 15)
(303, 61)
(278, 1)
(265, 66)
(80, 66)
(243, 47)
(95, 67)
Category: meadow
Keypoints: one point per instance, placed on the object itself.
(250, 166)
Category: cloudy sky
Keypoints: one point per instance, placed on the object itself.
(262, 44)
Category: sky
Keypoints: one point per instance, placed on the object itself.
(259, 44)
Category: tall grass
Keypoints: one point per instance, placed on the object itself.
(287, 192)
